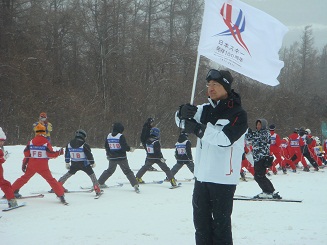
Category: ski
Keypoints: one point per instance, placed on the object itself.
(174, 187)
(72, 191)
(18, 206)
(34, 195)
(103, 187)
(23, 197)
(80, 191)
(248, 198)
(180, 180)
(157, 170)
(153, 182)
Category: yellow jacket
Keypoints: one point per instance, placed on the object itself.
(47, 125)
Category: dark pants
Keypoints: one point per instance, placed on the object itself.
(260, 177)
(180, 164)
(149, 162)
(123, 163)
(212, 210)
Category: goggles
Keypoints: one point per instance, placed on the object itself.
(214, 74)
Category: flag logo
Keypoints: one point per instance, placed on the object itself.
(235, 21)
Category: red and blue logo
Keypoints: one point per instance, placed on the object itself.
(235, 21)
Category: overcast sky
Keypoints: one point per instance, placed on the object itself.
(296, 14)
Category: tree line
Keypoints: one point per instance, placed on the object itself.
(89, 63)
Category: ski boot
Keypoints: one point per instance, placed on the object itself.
(173, 182)
(136, 188)
(62, 200)
(140, 181)
(243, 176)
(12, 203)
(103, 186)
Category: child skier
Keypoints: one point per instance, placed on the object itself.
(154, 155)
(5, 184)
(78, 157)
(116, 148)
(183, 154)
(37, 154)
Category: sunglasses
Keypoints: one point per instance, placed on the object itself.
(214, 74)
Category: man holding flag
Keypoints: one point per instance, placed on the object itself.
(220, 126)
(246, 40)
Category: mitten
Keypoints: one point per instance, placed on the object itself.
(6, 155)
(24, 167)
(187, 111)
(67, 165)
(193, 127)
(61, 151)
(93, 165)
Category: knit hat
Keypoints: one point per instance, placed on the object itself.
(223, 77)
(2, 135)
(272, 127)
(40, 129)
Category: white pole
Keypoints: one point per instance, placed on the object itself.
(195, 77)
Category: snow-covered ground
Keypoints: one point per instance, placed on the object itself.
(158, 215)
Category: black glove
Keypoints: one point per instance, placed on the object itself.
(187, 111)
(24, 166)
(268, 161)
(193, 127)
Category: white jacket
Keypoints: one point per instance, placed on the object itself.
(216, 160)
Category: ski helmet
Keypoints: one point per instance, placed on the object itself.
(155, 132)
(81, 134)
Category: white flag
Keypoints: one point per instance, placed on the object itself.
(242, 38)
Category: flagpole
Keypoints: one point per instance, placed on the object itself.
(195, 77)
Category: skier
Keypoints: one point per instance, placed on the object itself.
(311, 147)
(262, 159)
(154, 155)
(116, 148)
(37, 154)
(5, 184)
(145, 134)
(295, 143)
(245, 162)
(305, 148)
(78, 156)
(286, 156)
(43, 119)
(183, 154)
(275, 148)
(220, 126)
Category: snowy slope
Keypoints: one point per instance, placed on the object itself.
(158, 215)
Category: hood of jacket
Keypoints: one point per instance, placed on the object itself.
(264, 123)
(117, 128)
